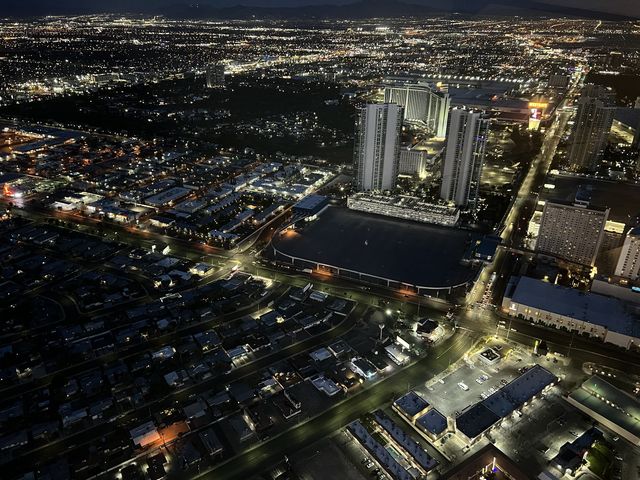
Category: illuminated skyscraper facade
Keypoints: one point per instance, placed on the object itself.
(377, 146)
(464, 156)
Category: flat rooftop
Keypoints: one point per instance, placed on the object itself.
(484, 414)
(403, 251)
(475, 420)
(411, 404)
(412, 447)
(488, 97)
(381, 453)
(310, 202)
(433, 422)
(621, 198)
(601, 397)
(569, 302)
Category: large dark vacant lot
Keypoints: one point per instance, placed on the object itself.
(268, 114)
(626, 86)
(413, 253)
(622, 198)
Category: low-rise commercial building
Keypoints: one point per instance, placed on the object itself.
(617, 287)
(421, 415)
(395, 354)
(311, 205)
(610, 406)
(591, 314)
(167, 197)
(571, 455)
(488, 413)
(325, 385)
(433, 424)
(363, 367)
(411, 406)
(486, 461)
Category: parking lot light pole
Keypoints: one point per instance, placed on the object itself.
(509, 329)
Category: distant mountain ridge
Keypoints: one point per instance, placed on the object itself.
(364, 9)
(360, 9)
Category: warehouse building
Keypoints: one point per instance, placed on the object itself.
(610, 406)
(598, 316)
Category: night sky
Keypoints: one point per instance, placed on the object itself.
(21, 7)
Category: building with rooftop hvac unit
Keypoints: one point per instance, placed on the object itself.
(486, 461)
(480, 418)
(419, 413)
(406, 207)
(310, 206)
(610, 406)
(411, 406)
(626, 124)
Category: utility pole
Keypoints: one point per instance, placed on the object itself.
(573, 332)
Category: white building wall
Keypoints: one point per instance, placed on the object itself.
(412, 162)
(629, 262)
(560, 321)
(422, 104)
(620, 339)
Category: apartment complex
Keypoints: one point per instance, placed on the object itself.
(572, 231)
(377, 146)
(463, 159)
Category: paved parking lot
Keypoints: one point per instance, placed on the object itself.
(532, 438)
(462, 387)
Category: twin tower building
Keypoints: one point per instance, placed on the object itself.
(379, 135)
